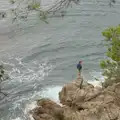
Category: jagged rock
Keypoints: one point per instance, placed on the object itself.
(92, 103)
(47, 110)
(71, 93)
(81, 103)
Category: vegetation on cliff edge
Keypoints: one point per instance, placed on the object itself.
(111, 66)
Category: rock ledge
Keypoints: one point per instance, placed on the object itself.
(86, 103)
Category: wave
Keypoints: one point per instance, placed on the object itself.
(23, 87)
(97, 78)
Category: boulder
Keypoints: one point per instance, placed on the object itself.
(47, 110)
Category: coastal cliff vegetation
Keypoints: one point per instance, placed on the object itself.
(111, 65)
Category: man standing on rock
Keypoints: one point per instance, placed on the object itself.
(79, 67)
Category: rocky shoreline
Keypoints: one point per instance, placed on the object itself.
(81, 103)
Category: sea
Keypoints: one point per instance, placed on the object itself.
(40, 57)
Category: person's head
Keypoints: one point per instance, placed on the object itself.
(80, 61)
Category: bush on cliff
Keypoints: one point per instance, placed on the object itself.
(111, 66)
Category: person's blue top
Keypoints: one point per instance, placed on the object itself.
(79, 66)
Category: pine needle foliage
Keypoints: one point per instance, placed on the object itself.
(111, 66)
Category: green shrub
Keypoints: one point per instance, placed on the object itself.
(111, 66)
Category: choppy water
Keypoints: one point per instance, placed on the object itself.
(40, 57)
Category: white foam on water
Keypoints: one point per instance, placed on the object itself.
(21, 72)
(52, 93)
(97, 80)
(18, 118)
(29, 107)
(48, 92)
(21, 75)
(95, 83)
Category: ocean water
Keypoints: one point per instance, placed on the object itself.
(40, 58)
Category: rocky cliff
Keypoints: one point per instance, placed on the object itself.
(84, 102)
